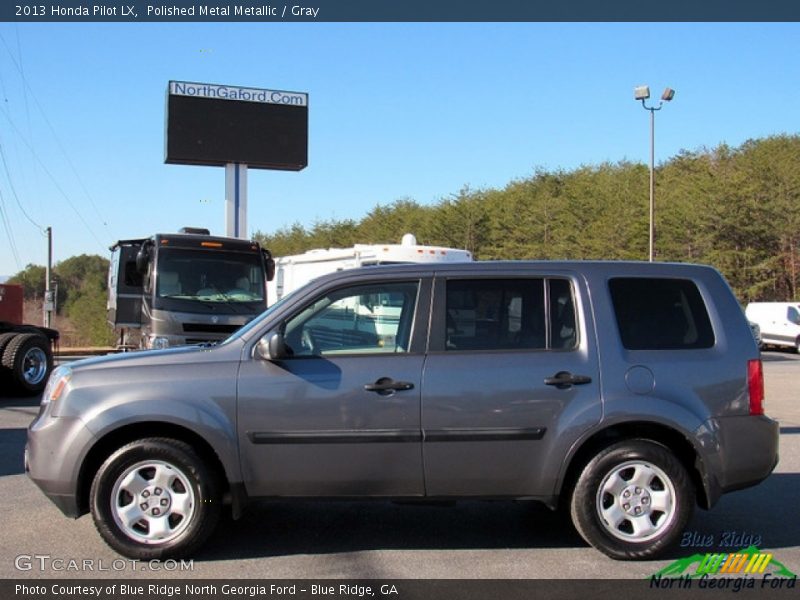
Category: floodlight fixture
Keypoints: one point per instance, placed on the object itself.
(668, 94)
(641, 92)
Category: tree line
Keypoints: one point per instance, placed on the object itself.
(737, 209)
(81, 286)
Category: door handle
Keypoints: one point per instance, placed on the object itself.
(386, 385)
(564, 380)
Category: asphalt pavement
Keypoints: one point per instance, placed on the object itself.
(382, 540)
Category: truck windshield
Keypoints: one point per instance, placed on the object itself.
(229, 277)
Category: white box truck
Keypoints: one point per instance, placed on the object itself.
(779, 322)
(292, 272)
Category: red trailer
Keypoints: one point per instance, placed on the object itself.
(26, 351)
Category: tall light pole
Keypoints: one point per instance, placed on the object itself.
(642, 93)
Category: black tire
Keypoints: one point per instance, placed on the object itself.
(6, 380)
(165, 483)
(5, 338)
(28, 358)
(632, 501)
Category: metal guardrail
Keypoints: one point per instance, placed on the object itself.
(66, 355)
(85, 351)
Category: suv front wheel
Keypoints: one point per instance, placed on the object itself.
(632, 500)
(154, 498)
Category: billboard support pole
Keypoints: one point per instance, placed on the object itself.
(236, 200)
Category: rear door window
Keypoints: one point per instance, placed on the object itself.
(660, 314)
(509, 314)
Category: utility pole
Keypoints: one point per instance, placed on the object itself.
(48, 293)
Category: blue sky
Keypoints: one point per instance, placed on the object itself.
(397, 110)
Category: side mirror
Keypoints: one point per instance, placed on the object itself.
(142, 258)
(272, 347)
(269, 263)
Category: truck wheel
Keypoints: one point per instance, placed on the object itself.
(29, 359)
(632, 500)
(154, 498)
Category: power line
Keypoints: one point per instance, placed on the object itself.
(6, 225)
(27, 108)
(53, 180)
(14, 191)
(53, 132)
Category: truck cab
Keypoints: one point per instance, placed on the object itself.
(186, 288)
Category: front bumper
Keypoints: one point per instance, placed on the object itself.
(53, 457)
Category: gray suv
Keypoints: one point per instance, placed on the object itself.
(625, 392)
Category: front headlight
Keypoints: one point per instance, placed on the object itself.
(56, 385)
(159, 343)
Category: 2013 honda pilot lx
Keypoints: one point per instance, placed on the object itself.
(629, 393)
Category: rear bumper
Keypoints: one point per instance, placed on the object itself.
(747, 452)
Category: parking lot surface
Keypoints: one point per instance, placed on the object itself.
(383, 540)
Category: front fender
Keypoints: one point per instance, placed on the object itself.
(207, 421)
(198, 397)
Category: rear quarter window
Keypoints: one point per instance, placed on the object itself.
(660, 314)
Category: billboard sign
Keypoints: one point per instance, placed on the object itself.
(214, 125)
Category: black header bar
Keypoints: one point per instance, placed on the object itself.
(397, 11)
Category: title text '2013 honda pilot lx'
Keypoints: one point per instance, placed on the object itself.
(628, 392)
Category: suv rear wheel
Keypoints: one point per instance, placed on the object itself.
(154, 498)
(632, 500)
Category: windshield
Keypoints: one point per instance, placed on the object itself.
(258, 321)
(229, 277)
